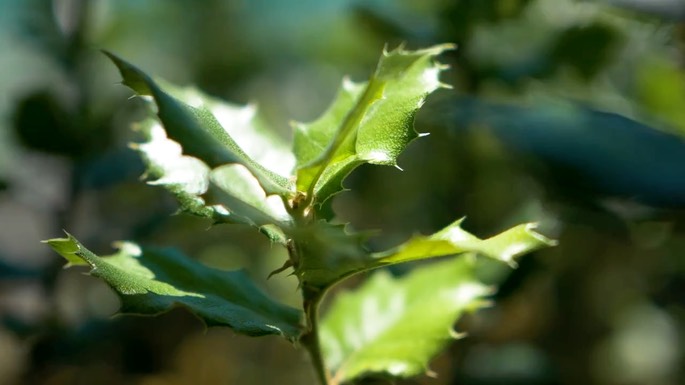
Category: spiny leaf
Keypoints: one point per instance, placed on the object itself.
(311, 140)
(227, 194)
(245, 126)
(198, 130)
(154, 280)
(367, 123)
(234, 188)
(505, 246)
(185, 177)
(334, 254)
(329, 253)
(394, 326)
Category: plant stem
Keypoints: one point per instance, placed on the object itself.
(310, 339)
(311, 298)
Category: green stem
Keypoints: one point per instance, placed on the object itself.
(311, 298)
(310, 339)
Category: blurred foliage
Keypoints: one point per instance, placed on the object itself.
(564, 112)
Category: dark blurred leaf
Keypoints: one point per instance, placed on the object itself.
(110, 168)
(603, 153)
(672, 10)
(585, 48)
(42, 122)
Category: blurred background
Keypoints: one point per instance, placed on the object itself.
(568, 113)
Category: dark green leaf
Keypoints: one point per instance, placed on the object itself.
(154, 280)
(198, 130)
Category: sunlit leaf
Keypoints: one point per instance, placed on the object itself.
(334, 254)
(227, 194)
(186, 177)
(505, 246)
(235, 189)
(154, 280)
(394, 326)
(198, 131)
(367, 123)
(245, 126)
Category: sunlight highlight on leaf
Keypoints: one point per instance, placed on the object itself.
(154, 280)
(367, 123)
(394, 326)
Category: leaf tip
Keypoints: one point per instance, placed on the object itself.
(296, 125)
(530, 229)
(455, 335)
(68, 248)
(132, 76)
(445, 86)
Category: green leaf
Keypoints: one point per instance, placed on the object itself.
(367, 123)
(328, 253)
(505, 247)
(235, 189)
(154, 280)
(227, 194)
(186, 177)
(394, 326)
(311, 140)
(198, 131)
(245, 126)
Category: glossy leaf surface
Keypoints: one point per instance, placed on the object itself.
(505, 246)
(394, 326)
(198, 131)
(367, 123)
(227, 194)
(333, 254)
(154, 280)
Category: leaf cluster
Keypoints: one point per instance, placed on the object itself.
(222, 163)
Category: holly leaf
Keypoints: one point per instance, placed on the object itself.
(199, 132)
(505, 247)
(226, 194)
(186, 177)
(394, 326)
(150, 281)
(333, 253)
(367, 123)
(234, 189)
(245, 126)
(329, 253)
